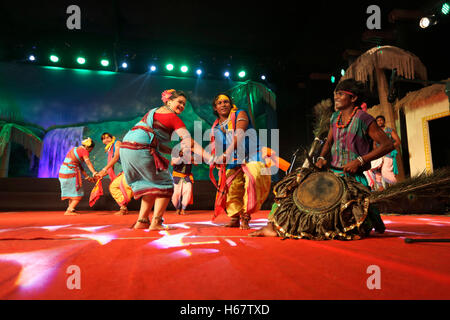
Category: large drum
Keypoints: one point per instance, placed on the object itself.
(320, 205)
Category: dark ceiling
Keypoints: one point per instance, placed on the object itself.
(289, 39)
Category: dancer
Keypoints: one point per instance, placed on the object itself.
(244, 181)
(385, 172)
(71, 171)
(119, 189)
(350, 143)
(145, 169)
(112, 147)
(183, 181)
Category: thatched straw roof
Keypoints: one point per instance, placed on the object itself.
(425, 96)
(407, 64)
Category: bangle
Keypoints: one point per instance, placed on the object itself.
(321, 158)
(361, 160)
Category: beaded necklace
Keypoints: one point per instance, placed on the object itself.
(342, 126)
(167, 107)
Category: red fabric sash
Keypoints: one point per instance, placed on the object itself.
(161, 163)
(111, 173)
(96, 192)
(124, 192)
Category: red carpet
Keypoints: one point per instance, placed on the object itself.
(204, 261)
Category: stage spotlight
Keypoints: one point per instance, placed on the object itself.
(241, 74)
(263, 77)
(445, 9)
(428, 21)
(124, 65)
(81, 60)
(184, 69)
(199, 71)
(152, 68)
(342, 72)
(31, 57)
(54, 58)
(169, 67)
(226, 74)
(333, 79)
(104, 62)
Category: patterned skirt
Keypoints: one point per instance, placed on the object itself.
(142, 175)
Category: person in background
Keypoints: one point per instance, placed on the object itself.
(385, 172)
(183, 182)
(71, 171)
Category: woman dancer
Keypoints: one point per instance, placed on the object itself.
(71, 171)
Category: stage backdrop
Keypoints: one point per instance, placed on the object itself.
(60, 101)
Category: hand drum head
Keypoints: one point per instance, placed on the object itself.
(319, 192)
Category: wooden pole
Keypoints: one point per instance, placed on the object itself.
(4, 161)
(388, 112)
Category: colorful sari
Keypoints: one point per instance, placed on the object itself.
(242, 186)
(111, 150)
(145, 169)
(70, 174)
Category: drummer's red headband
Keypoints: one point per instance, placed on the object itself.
(363, 105)
(348, 92)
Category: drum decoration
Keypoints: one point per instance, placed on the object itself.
(319, 205)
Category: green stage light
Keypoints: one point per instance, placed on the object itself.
(104, 62)
(445, 9)
(54, 58)
(184, 69)
(241, 74)
(333, 79)
(169, 67)
(81, 60)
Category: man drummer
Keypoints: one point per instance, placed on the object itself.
(350, 143)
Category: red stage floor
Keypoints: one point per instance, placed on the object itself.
(45, 255)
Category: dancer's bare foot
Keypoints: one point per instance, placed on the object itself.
(234, 223)
(182, 212)
(123, 211)
(141, 224)
(157, 224)
(71, 212)
(245, 219)
(267, 231)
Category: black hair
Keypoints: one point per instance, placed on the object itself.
(106, 134)
(178, 93)
(216, 97)
(356, 87)
(381, 116)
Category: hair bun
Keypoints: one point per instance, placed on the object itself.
(86, 142)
